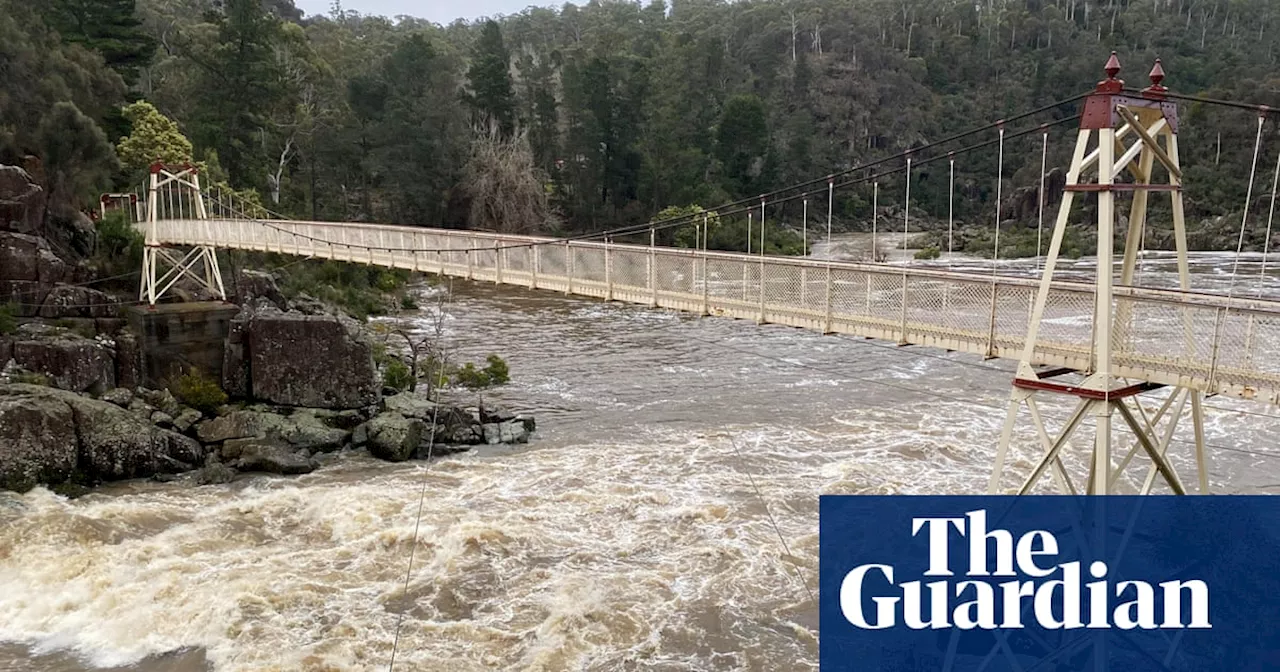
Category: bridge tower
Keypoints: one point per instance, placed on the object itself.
(174, 194)
(1102, 164)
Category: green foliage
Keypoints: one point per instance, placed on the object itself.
(109, 27)
(930, 252)
(77, 157)
(199, 391)
(490, 76)
(120, 245)
(40, 70)
(153, 137)
(396, 374)
(495, 372)
(8, 319)
(358, 289)
(742, 140)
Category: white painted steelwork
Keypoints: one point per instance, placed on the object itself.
(1168, 338)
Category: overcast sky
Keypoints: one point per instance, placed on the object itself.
(440, 11)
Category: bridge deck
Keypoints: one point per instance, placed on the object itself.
(1203, 341)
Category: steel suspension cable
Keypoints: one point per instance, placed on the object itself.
(995, 257)
(660, 224)
(951, 208)
(1266, 242)
(1235, 265)
(1044, 167)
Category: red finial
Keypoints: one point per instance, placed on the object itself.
(1156, 90)
(1111, 85)
(1113, 66)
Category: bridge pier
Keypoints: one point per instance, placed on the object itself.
(1110, 114)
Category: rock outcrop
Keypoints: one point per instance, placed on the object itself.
(252, 285)
(50, 436)
(308, 361)
(70, 361)
(22, 201)
(37, 441)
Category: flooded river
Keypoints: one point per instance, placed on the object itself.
(633, 533)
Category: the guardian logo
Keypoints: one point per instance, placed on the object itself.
(1054, 594)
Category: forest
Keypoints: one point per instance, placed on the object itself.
(599, 115)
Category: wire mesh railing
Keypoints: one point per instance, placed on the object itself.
(1209, 342)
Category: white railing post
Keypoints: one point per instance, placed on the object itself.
(653, 270)
(497, 261)
(827, 329)
(905, 301)
(608, 270)
(568, 265)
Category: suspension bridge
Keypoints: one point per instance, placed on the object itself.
(1103, 345)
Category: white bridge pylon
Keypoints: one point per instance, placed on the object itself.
(174, 193)
(1103, 164)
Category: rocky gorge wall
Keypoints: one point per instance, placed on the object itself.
(76, 404)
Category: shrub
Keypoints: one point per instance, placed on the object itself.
(470, 377)
(8, 320)
(396, 374)
(199, 391)
(928, 253)
(495, 372)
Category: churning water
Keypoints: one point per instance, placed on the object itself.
(627, 536)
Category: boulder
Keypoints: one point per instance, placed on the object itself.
(251, 285)
(71, 434)
(238, 425)
(309, 432)
(273, 458)
(22, 201)
(69, 301)
(119, 396)
(115, 444)
(71, 362)
(311, 361)
(161, 400)
(309, 305)
(37, 439)
(393, 437)
(302, 430)
(187, 419)
(162, 419)
(128, 359)
(452, 425)
(509, 432)
(28, 257)
(215, 474)
(495, 414)
(411, 405)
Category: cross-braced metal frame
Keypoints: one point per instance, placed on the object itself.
(200, 264)
(1110, 116)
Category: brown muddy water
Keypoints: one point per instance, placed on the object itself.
(627, 536)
